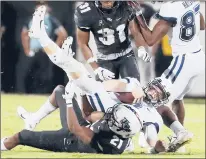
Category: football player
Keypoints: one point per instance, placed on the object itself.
(109, 135)
(109, 21)
(182, 21)
(75, 70)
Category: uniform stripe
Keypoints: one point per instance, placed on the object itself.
(196, 51)
(179, 70)
(99, 102)
(92, 103)
(173, 67)
(128, 80)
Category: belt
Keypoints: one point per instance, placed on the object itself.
(113, 56)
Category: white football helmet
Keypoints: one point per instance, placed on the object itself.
(124, 120)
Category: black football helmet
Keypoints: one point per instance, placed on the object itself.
(162, 94)
(116, 4)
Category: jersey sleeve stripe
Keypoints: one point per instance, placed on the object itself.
(171, 20)
(85, 29)
(197, 8)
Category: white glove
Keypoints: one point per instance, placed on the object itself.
(104, 74)
(31, 53)
(67, 46)
(69, 93)
(142, 53)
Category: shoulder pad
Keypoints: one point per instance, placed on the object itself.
(83, 14)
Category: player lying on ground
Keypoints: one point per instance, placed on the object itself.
(182, 21)
(76, 70)
(109, 135)
(152, 121)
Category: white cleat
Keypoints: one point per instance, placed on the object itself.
(37, 22)
(183, 138)
(142, 141)
(29, 121)
(3, 148)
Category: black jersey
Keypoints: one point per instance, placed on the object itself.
(110, 30)
(105, 141)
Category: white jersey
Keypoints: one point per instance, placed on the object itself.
(185, 16)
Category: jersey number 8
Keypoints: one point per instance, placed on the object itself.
(187, 30)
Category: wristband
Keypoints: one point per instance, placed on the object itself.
(91, 59)
(69, 105)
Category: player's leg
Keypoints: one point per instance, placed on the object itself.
(171, 121)
(32, 119)
(129, 67)
(54, 101)
(58, 141)
(60, 57)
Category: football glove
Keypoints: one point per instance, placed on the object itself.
(104, 74)
(142, 53)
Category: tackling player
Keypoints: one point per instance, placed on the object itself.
(109, 21)
(74, 69)
(182, 21)
(109, 135)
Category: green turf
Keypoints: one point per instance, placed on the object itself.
(11, 123)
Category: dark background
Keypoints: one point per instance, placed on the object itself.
(13, 15)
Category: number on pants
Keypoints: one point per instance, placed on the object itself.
(117, 142)
(187, 30)
(109, 38)
(84, 7)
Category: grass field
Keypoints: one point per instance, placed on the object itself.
(11, 123)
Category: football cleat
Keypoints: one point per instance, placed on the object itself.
(3, 148)
(30, 122)
(182, 138)
(37, 22)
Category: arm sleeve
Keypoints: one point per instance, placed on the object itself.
(167, 13)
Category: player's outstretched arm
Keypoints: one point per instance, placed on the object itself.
(83, 133)
(83, 43)
(202, 22)
(122, 86)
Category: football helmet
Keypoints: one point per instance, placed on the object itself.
(123, 120)
(156, 92)
(116, 4)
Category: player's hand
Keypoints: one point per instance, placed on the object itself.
(104, 74)
(142, 53)
(138, 94)
(135, 6)
(69, 92)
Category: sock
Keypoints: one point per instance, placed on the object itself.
(3, 148)
(176, 127)
(44, 110)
